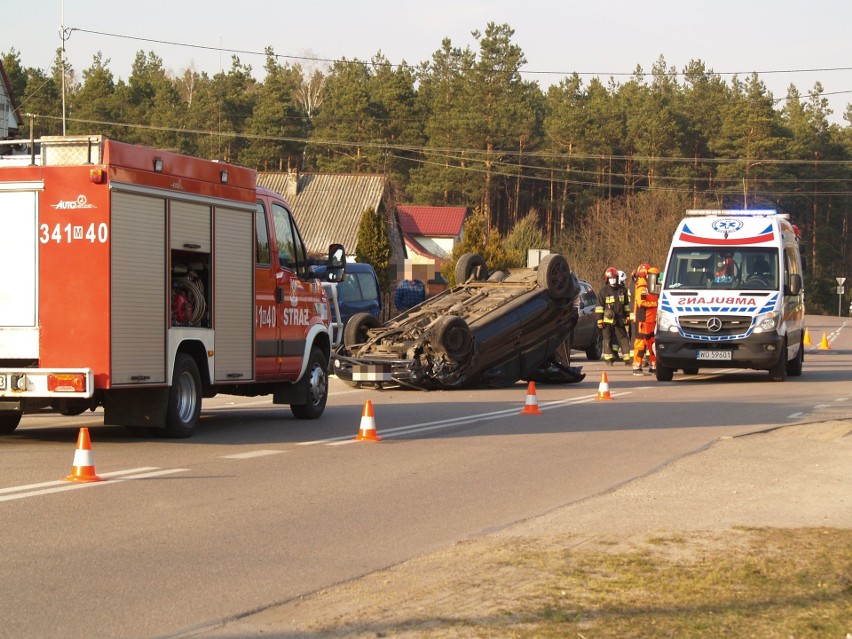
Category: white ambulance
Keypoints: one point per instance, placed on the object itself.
(732, 295)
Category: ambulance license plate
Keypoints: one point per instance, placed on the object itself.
(714, 354)
(2, 382)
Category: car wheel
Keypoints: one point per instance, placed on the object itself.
(453, 337)
(554, 275)
(315, 383)
(184, 407)
(356, 328)
(595, 351)
(664, 373)
(471, 264)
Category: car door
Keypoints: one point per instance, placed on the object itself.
(584, 332)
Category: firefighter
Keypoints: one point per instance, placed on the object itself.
(613, 312)
(645, 309)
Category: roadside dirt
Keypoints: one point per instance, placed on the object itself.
(796, 476)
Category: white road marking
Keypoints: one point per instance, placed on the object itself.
(63, 486)
(253, 453)
(794, 415)
(454, 421)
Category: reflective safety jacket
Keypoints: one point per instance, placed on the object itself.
(613, 304)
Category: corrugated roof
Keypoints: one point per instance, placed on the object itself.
(432, 221)
(328, 207)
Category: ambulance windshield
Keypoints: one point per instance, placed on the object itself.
(727, 268)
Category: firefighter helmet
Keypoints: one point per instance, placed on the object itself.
(610, 273)
(642, 271)
(622, 277)
(654, 280)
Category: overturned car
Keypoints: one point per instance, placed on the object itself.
(491, 329)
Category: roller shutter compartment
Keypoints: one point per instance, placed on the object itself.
(138, 289)
(234, 294)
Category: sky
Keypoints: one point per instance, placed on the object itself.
(785, 41)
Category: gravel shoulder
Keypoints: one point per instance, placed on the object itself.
(797, 476)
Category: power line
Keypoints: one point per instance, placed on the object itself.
(407, 66)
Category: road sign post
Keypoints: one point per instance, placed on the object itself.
(840, 291)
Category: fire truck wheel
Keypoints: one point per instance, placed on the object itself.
(9, 422)
(184, 398)
(315, 387)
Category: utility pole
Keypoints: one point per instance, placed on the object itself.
(64, 37)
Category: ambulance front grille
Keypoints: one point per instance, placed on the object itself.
(731, 325)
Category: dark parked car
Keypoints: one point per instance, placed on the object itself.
(358, 292)
(587, 337)
(491, 329)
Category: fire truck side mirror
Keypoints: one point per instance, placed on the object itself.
(336, 266)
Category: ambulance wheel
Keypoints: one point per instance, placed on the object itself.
(356, 329)
(778, 373)
(794, 366)
(664, 373)
(314, 387)
(554, 275)
(471, 264)
(184, 409)
(9, 422)
(691, 371)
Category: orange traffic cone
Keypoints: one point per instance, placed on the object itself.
(603, 388)
(367, 431)
(84, 467)
(808, 341)
(531, 405)
(823, 345)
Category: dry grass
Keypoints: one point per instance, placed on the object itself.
(746, 583)
(767, 583)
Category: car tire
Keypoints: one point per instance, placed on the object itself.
(595, 351)
(664, 373)
(471, 264)
(555, 275)
(453, 337)
(356, 328)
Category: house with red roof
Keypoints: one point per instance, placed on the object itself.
(430, 234)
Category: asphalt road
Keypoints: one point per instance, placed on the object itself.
(259, 508)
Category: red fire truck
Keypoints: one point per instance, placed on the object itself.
(142, 280)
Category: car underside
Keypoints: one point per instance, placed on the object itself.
(492, 329)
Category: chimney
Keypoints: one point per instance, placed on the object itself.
(292, 189)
